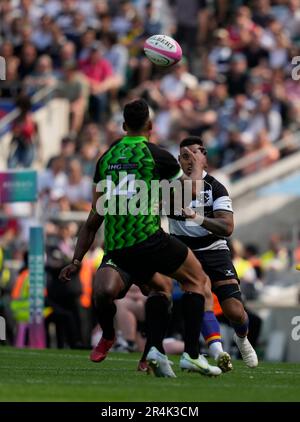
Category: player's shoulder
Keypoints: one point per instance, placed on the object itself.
(161, 155)
(97, 173)
(157, 149)
(165, 163)
(218, 189)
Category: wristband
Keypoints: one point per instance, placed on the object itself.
(76, 262)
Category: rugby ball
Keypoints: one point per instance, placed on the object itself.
(162, 50)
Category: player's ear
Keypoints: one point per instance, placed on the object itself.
(150, 125)
(124, 126)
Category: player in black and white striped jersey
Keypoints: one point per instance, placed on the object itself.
(205, 233)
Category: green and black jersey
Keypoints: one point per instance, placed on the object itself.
(128, 160)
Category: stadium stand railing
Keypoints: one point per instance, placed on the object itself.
(262, 177)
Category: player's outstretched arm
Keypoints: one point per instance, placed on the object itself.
(85, 240)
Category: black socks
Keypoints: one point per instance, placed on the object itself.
(157, 320)
(193, 309)
(105, 315)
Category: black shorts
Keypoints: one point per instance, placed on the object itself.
(159, 253)
(217, 264)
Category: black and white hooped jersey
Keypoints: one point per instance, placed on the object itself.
(215, 198)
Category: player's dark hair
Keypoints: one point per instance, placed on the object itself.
(136, 114)
(191, 140)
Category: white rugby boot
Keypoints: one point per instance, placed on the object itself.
(248, 353)
(160, 364)
(200, 365)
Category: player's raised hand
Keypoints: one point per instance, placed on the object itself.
(67, 272)
(197, 161)
(188, 212)
(197, 158)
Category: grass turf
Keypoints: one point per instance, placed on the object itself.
(67, 375)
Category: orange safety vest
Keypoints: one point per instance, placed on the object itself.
(86, 278)
(18, 286)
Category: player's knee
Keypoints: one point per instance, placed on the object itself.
(235, 312)
(105, 294)
(230, 298)
(207, 290)
(161, 285)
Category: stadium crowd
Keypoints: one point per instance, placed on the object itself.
(233, 87)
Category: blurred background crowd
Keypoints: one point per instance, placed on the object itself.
(233, 87)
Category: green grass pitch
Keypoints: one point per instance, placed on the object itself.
(67, 375)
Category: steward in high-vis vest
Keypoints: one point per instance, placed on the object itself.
(20, 297)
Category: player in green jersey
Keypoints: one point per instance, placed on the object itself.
(135, 241)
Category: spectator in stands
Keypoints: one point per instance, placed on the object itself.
(53, 179)
(87, 40)
(25, 137)
(89, 154)
(221, 52)
(266, 118)
(6, 282)
(116, 54)
(237, 77)
(42, 35)
(28, 60)
(262, 12)
(192, 20)
(173, 86)
(241, 28)
(67, 54)
(276, 258)
(270, 156)
(74, 87)
(78, 188)
(43, 76)
(101, 78)
(68, 148)
(244, 269)
(11, 87)
(9, 226)
(254, 51)
(252, 255)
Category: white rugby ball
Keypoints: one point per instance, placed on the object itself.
(162, 50)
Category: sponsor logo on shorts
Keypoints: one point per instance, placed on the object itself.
(111, 262)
